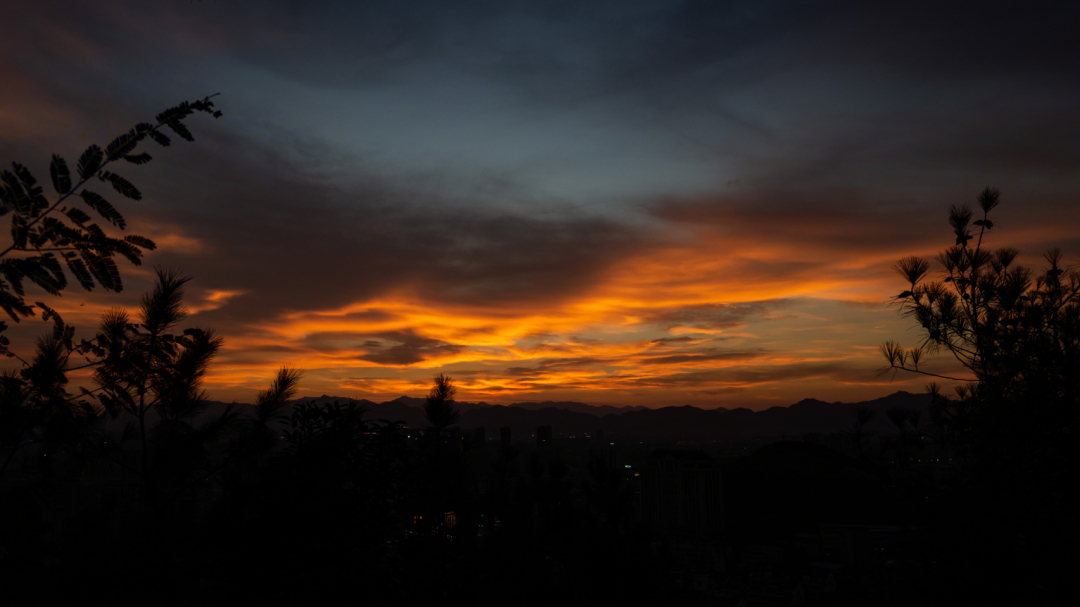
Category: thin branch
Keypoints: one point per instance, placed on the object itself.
(909, 370)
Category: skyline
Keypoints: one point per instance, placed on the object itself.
(613, 205)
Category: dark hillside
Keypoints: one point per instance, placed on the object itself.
(793, 486)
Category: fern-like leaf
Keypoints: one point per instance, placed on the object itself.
(78, 268)
(181, 130)
(34, 193)
(122, 145)
(45, 272)
(138, 158)
(130, 251)
(77, 215)
(104, 270)
(90, 161)
(14, 305)
(159, 137)
(104, 208)
(19, 232)
(11, 270)
(61, 176)
(125, 187)
(141, 241)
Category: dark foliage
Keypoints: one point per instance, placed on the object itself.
(439, 407)
(1013, 424)
(49, 235)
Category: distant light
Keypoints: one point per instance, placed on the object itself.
(627, 465)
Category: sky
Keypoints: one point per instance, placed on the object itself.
(630, 203)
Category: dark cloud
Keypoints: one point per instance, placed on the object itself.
(756, 375)
(269, 227)
(682, 339)
(682, 359)
(409, 349)
(275, 348)
(827, 226)
(724, 391)
(711, 316)
(388, 348)
(556, 365)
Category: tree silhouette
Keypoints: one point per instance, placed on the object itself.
(999, 320)
(144, 427)
(898, 416)
(439, 407)
(47, 235)
(145, 367)
(1012, 427)
(35, 407)
(859, 433)
(1016, 332)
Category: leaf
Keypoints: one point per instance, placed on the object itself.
(104, 208)
(47, 313)
(178, 111)
(159, 137)
(122, 145)
(76, 215)
(128, 250)
(104, 270)
(45, 272)
(14, 305)
(33, 191)
(141, 241)
(90, 161)
(19, 232)
(78, 268)
(125, 187)
(139, 158)
(12, 271)
(61, 176)
(181, 130)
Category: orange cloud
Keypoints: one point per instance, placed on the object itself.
(677, 324)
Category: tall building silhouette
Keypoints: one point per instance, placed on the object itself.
(682, 494)
(543, 437)
(504, 437)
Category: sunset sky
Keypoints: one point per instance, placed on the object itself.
(639, 203)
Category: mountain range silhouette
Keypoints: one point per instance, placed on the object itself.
(668, 423)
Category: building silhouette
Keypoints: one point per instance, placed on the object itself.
(682, 494)
(543, 437)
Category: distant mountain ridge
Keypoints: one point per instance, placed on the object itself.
(672, 423)
(465, 407)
